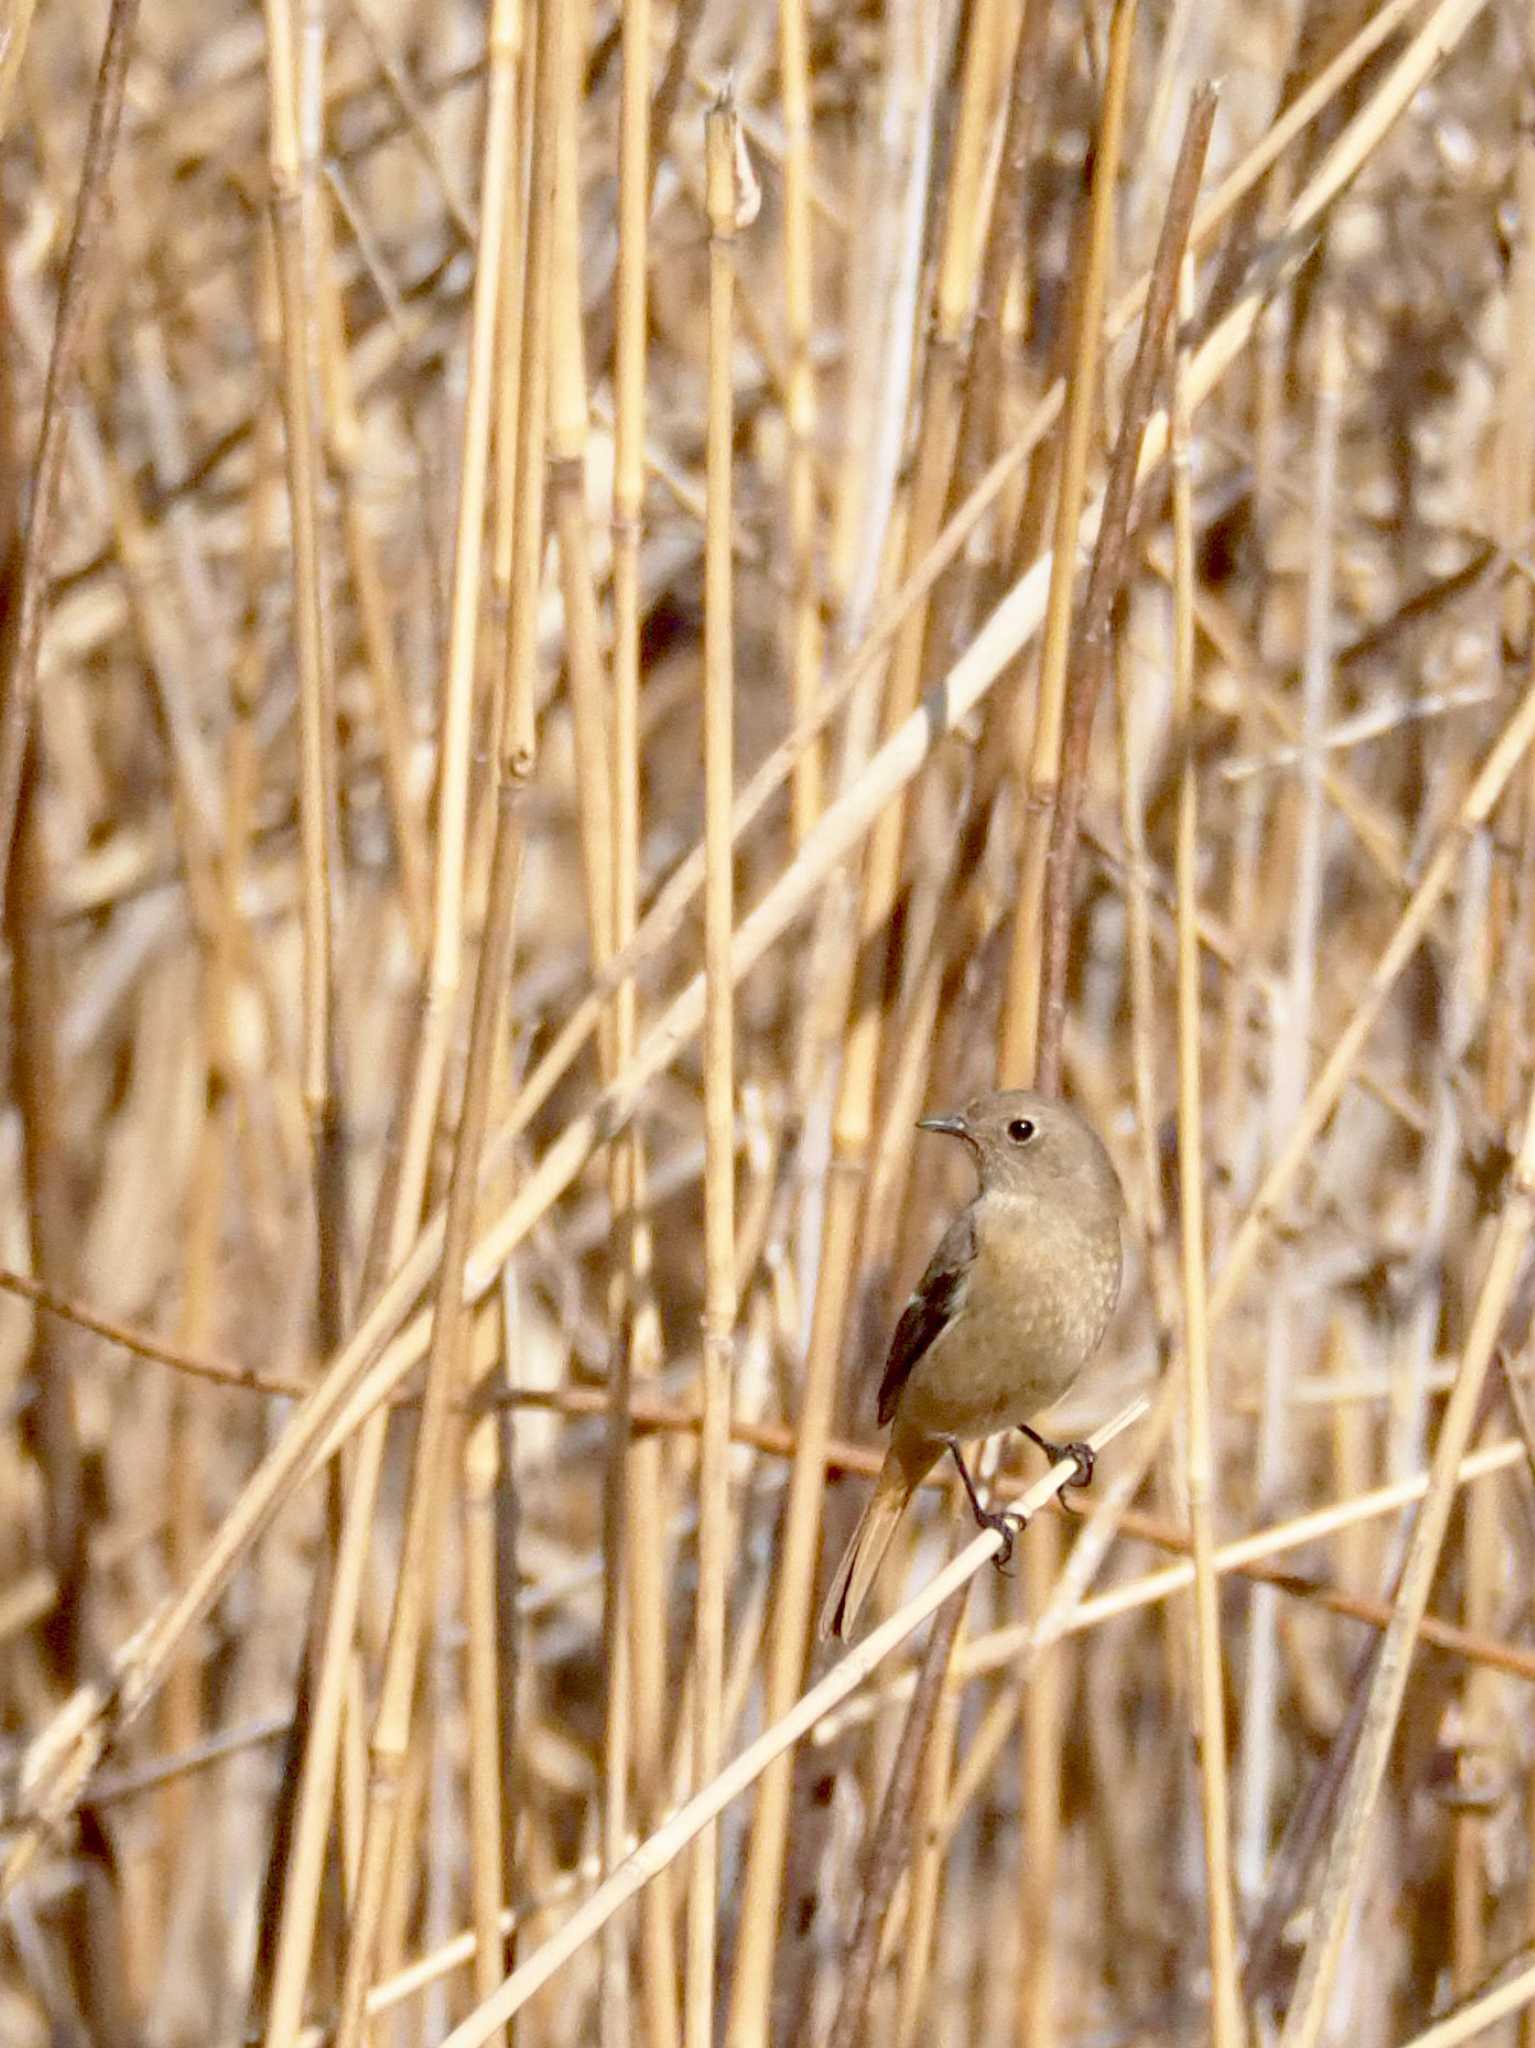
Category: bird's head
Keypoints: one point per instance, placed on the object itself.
(1030, 1144)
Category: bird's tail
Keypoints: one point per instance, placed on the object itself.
(899, 1477)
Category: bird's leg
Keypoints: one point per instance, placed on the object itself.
(1005, 1525)
(1083, 1455)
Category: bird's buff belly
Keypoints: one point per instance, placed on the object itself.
(981, 1377)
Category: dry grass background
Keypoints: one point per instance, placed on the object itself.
(468, 461)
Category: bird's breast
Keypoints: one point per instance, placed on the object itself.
(1036, 1305)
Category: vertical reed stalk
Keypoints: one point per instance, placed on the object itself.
(78, 292)
(391, 1738)
(1021, 1003)
(1225, 2017)
(800, 404)
(294, 89)
(635, 1470)
(498, 172)
(721, 140)
(1293, 1023)
(858, 1006)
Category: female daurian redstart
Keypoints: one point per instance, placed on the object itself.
(1013, 1304)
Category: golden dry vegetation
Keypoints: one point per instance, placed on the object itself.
(458, 1172)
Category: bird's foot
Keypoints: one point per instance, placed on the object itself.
(1007, 1527)
(1086, 1460)
(1082, 1455)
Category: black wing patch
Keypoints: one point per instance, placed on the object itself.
(931, 1309)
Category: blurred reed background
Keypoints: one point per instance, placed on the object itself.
(459, 1173)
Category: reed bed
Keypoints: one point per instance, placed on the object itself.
(604, 605)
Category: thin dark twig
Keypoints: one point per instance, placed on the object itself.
(1304, 1836)
(1088, 660)
(92, 1928)
(77, 298)
(889, 1850)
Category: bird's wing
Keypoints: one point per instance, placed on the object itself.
(937, 1301)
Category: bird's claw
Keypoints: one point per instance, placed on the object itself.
(1007, 1527)
(1086, 1459)
(1083, 1456)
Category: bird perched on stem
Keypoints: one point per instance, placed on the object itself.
(1013, 1304)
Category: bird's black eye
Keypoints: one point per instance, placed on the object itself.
(1020, 1130)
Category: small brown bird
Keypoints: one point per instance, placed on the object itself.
(1013, 1304)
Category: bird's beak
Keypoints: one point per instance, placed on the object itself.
(951, 1126)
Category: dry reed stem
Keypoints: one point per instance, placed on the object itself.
(1237, 1556)
(1140, 966)
(1341, 163)
(430, 1968)
(1200, 1463)
(1028, 964)
(293, 86)
(709, 1802)
(1082, 1564)
(800, 414)
(435, 1434)
(634, 1471)
(569, 412)
(1477, 2016)
(1336, 1899)
(1088, 658)
(18, 28)
(853, 1115)
(1247, 1555)
(1089, 647)
(393, 1731)
(999, 1647)
(889, 1851)
(723, 199)
(174, 464)
(1322, 1097)
(998, 641)
(303, 1868)
(78, 291)
(498, 182)
(94, 1926)
(1287, 1081)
